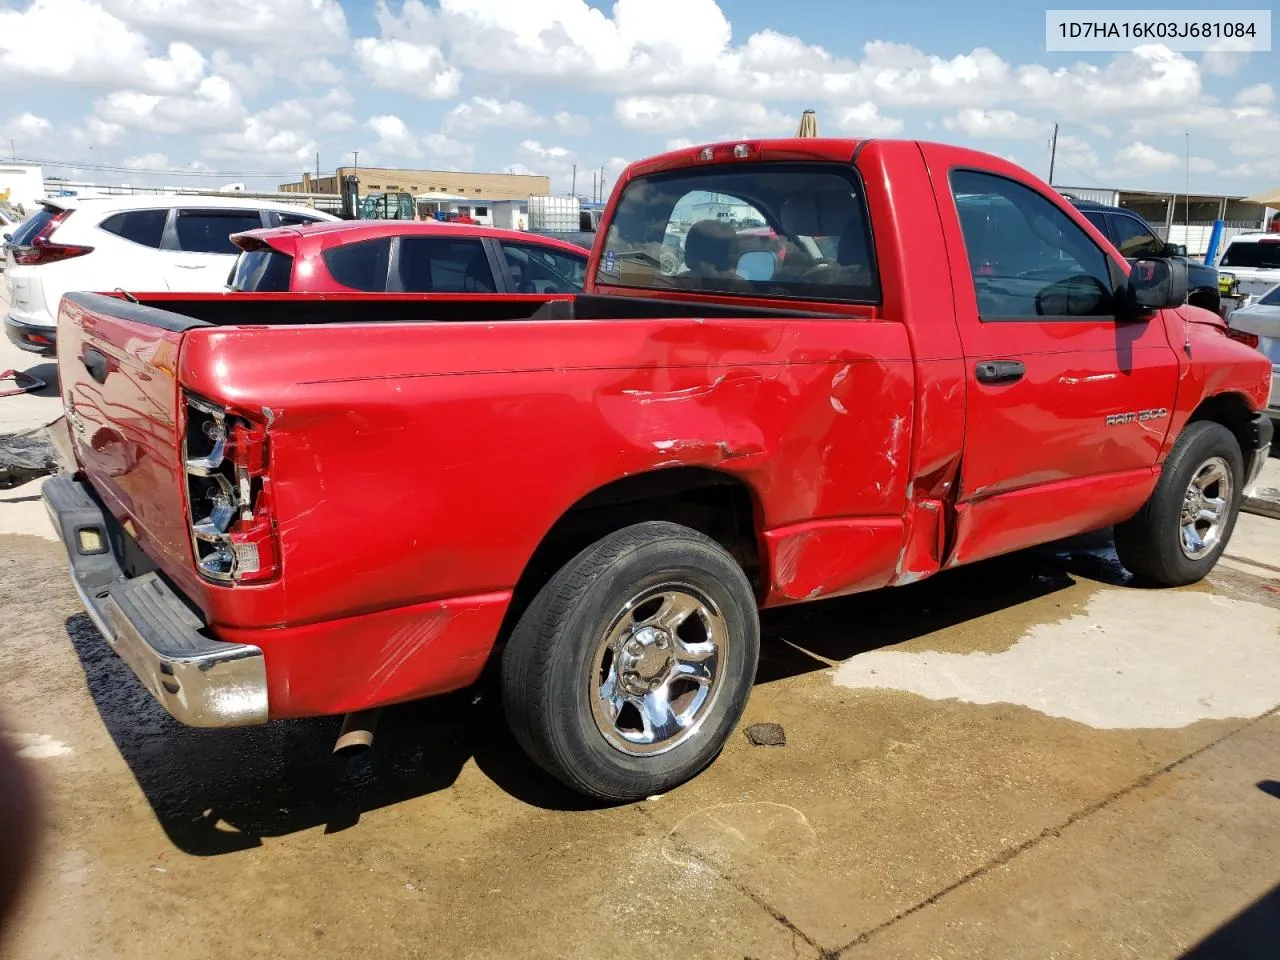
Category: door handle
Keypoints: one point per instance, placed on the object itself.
(96, 363)
(1000, 371)
(190, 266)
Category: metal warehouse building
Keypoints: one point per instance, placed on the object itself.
(1180, 218)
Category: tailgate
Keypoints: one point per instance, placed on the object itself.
(117, 366)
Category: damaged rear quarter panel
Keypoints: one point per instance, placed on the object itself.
(416, 462)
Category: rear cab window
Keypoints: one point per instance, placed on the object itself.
(209, 231)
(1028, 259)
(1260, 255)
(765, 230)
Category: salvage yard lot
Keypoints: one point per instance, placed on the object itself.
(1085, 769)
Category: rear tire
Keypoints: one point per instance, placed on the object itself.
(1183, 528)
(628, 671)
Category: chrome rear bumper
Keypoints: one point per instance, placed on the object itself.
(200, 681)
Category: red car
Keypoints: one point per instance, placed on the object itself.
(393, 256)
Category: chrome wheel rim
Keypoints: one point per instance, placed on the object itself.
(1204, 509)
(657, 669)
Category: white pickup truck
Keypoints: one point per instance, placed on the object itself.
(1251, 262)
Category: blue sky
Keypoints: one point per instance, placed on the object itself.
(245, 90)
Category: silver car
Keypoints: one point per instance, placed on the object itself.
(1261, 319)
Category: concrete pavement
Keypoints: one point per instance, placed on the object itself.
(955, 809)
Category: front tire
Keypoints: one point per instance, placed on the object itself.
(1182, 530)
(628, 671)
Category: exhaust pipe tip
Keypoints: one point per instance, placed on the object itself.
(356, 735)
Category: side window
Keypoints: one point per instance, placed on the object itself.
(1029, 259)
(145, 227)
(539, 270)
(360, 266)
(1098, 219)
(442, 265)
(209, 231)
(1133, 239)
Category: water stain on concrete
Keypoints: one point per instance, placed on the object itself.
(1131, 659)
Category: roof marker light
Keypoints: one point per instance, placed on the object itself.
(741, 151)
(706, 153)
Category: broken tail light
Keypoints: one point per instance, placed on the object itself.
(229, 504)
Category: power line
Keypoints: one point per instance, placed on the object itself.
(169, 172)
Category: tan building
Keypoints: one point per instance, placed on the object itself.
(482, 186)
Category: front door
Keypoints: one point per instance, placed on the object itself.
(1067, 406)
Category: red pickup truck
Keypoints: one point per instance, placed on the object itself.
(287, 505)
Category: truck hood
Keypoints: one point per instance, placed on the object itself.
(1199, 315)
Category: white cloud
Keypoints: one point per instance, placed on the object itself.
(250, 78)
(95, 132)
(447, 151)
(418, 69)
(558, 163)
(394, 137)
(571, 124)
(686, 111)
(1140, 158)
(1004, 124)
(304, 26)
(679, 143)
(1259, 94)
(147, 161)
(26, 127)
(1226, 58)
(78, 42)
(472, 116)
(214, 106)
(318, 71)
(865, 120)
(261, 145)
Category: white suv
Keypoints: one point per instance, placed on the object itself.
(134, 243)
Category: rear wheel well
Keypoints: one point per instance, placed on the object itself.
(713, 503)
(1232, 411)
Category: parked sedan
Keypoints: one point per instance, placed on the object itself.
(397, 256)
(1259, 326)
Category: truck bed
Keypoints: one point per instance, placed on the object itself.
(183, 312)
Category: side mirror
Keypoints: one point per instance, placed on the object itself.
(1157, 284)
(758, 265)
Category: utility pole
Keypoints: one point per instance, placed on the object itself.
(1053, 153)
(593, 186)
(573, 187)
(317, 164)
(355, 159)
(1187, 209)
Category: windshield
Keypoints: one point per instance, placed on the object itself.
(1272, 297)
(784, 230)
(1263, 255)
